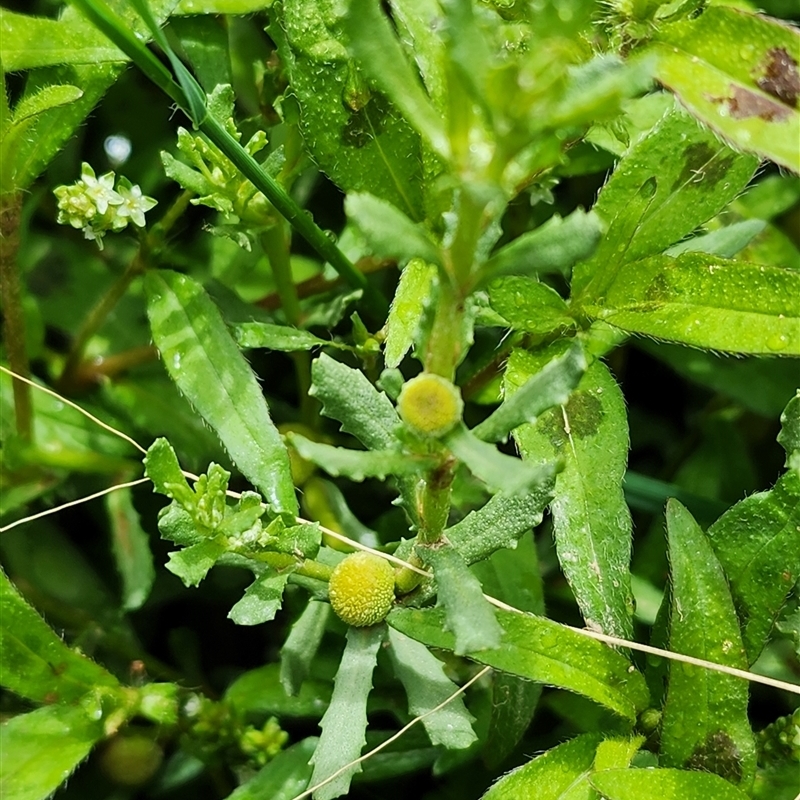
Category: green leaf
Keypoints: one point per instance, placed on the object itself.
(130, 545)
(23, 123)
(554, 247)
(667, 184)
(347, 396)
(528, 305)
(358, 464)
(286, 775)
(511, 576)
(705, 724)
(205, 42)
(388, 231)
(789, 437)
(301, 645)
(467, 613)
(375, 46)
(208, 367)
(708, 302)
(30, 42)
(422, 676)
(550, 386)
(501, 473)
(276, 337)
(408, 307)
(262, 599)
(591, 522)
(356, 135)
(193, 563)
(259, 691)
(34, 661)
(41, 749)
(552, 775)
(758, 544)
(499, 523)
(725, 242)
(663, 784)
(345, 721)
(543, 651)
(162, 467)
(747, 92)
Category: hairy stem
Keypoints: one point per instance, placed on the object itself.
(13, 317)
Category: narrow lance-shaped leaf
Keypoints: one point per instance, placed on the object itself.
(358, 464)
(345, 721)
(301, 645)
(705, 722)
(208, 367)
(347, 396)
(423, 678)
(277, 337)
(706, 301)
(407, 309)
(543, 651)
(550, 386)
(512, 576)
(499, 472)
(467, 612)
(377, 49)
(758, 544)
(747, 93)
(591, 522)
(388, 231)
(668, 183)
(262, 599)
(499, 523)
(555, 247)
(663, 784)
(34, 662)
(130, 545)
(41, 749)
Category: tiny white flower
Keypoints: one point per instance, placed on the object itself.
(134, 204)
(100, 190)
(94, 235)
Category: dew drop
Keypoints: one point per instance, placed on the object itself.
(778, 342)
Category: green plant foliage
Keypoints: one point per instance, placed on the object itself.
(591, 521)
(705, 715)
(199, 353)
(618, 784)
(543, 651)
(43, 747)
(345, 720)
(422, 336)
(749, 94)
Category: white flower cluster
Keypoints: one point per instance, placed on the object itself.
(96, 206)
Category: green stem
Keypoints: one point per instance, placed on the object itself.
(443, 351)
(308, 568)
(92, 323)
(275, 242)
(97, 316)
(13, 317)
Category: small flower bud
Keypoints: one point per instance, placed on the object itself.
(430, 405)
(361, 589)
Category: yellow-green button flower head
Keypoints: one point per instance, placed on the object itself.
(430, 404)
(361, 589)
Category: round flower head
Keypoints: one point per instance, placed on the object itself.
(430, 404)
(361, 589)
